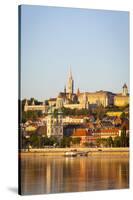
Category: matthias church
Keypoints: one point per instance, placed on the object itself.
(81, 100)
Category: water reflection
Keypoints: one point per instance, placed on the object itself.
(41, 174)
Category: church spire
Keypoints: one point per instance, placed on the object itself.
(78, 91)
(70, 82)
(70, 72)
(65, 89)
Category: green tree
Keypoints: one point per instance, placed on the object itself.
(91, 144)
(117, 142)
(86, 144)
(98, 142)
(35, 141)
(109, 141)
(123, 139)
(65, 142)
(76, 140)
(123, 116)
(101, 142)
(100, 112)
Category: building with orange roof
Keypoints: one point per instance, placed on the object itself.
(85, 135)
(107, 132)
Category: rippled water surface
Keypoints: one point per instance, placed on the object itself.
(46, 174)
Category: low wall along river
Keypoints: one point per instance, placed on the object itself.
(62, 151)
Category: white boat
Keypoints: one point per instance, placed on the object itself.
(71, 153)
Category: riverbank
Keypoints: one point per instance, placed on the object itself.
(62, 151)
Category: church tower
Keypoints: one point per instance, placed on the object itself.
(70, 83)
(125, 90)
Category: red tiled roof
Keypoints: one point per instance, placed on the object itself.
(80, 132)
(110, 130)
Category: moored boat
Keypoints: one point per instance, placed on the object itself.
(71, 153)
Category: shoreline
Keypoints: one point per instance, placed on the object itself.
(62, 151)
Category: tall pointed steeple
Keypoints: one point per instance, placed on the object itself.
(70, 83)
(70, 72)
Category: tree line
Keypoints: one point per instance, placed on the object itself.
(42, 141)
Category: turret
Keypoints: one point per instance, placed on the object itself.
(125, 90)
(78, 91)
(65, 89)
(33, 102)
(26, 106)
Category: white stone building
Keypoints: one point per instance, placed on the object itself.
(54, 123)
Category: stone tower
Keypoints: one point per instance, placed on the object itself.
(55, 123)
(125, 90)
(85, 101)
(26, 106)
(70, 83)
(59, 102)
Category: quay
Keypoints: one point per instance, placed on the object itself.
(79, 151)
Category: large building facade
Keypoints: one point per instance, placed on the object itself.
(81, 100)
(122, 99)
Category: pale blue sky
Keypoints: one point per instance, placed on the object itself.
(94, 42)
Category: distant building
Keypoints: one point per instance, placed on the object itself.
(81, 100)
(70, 84)
(122, 99)
(33, 107)
(85, 135)
(98, 98)
(52, 102)
(54, 124)
(107, 132)
(74, 120)
(69, 99)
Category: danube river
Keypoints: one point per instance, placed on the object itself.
(47, 174)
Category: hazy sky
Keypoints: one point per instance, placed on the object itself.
(94, 42)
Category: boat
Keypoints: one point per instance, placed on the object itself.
(76, 153)
(71, 153)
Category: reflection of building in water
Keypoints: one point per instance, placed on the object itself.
(48, 177)
(57, 173)
(52, 174)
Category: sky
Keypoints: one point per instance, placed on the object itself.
(94, 42)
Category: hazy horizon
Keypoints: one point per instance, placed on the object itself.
(94, 42)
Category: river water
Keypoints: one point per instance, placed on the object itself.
(47, 174)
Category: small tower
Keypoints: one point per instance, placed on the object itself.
(65, 89)
(125, 90)
(59, 102)
(33, 102)
(26, 106)
(78, 92)
(85, 101)
(70, 83)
